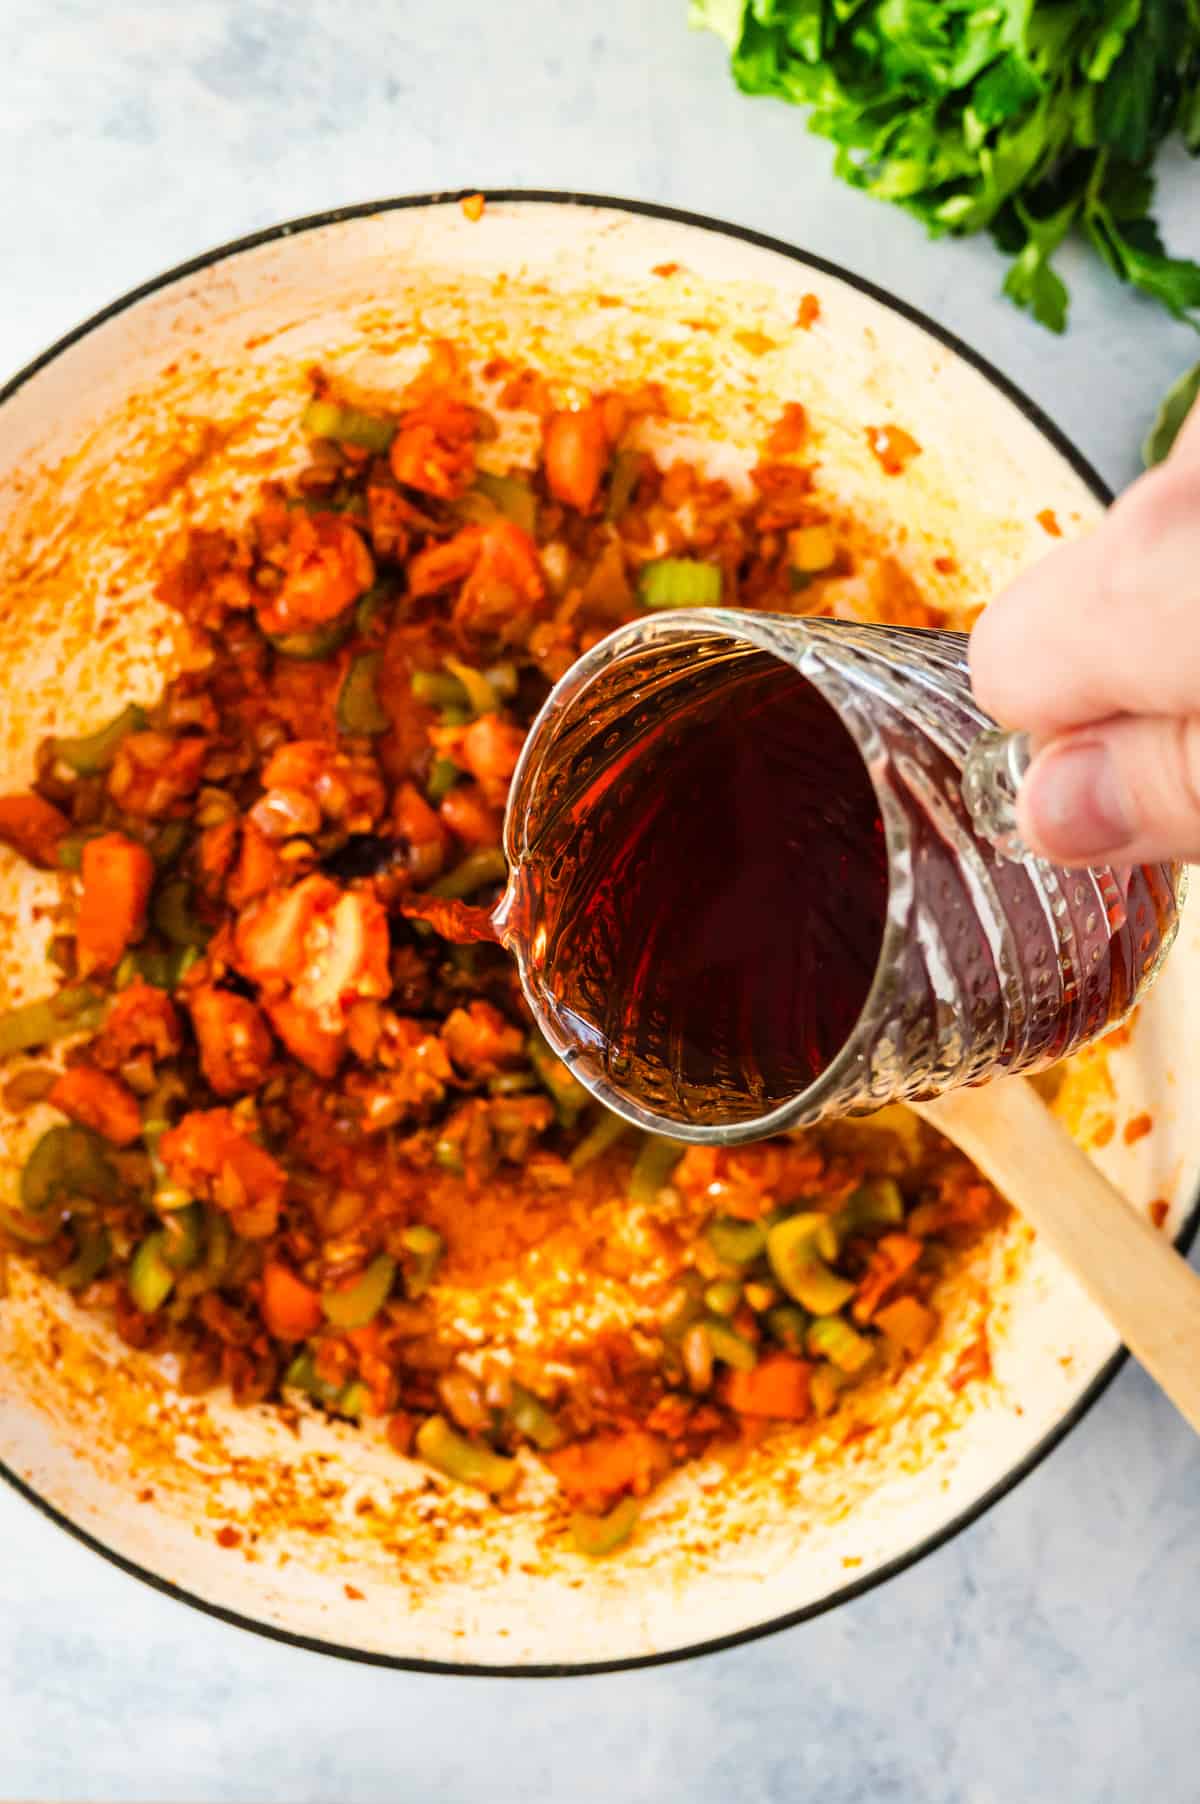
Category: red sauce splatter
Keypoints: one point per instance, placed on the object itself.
(892, 447)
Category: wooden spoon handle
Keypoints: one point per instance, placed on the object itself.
(1128, 1268)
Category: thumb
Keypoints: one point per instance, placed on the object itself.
(1126, 791)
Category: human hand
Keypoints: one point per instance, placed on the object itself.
(1095, 652)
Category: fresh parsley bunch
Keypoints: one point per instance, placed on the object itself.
(1027, 117)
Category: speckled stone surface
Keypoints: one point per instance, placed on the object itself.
(1050, 1654)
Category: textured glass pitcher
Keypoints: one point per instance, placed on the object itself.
(991, 962)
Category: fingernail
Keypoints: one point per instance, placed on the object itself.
(1074, 801)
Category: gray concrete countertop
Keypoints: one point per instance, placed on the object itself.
(1047, 1654)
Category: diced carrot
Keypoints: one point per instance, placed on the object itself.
(908, 1322)
(141, 1020)
(236, 1049)
(320, 1048)
(575, 449)
(117, 878)
(258, 869)
(480, 1041)
(290, 1308)
(893, 1258)
(778, 1387)
(471, 817)
(100, 1102)
(422, 830)
(209, 1155)
(595, 1472)
(326, 565)
(33, 827)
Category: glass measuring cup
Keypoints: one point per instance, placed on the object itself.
(963, 960)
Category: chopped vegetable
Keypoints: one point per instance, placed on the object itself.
(439, 1446)
(485, 866)
(595, 1536)
(789, 1326)
(736, 1243)
(876, 1203)
(151, 1279)
(424, 1247)
(320, 642)
(656, 1160)
(76, 1009)
(68, 1163)
(95, 751)
(291, 1309)
(99, 1102)
(530, 1417)
(831, 1337)
(731, 1348)
(792, 1251)
(480, 697)
(511, 497)
(443, 775)
(354, 1305)
(359, 709)
(183, 1237)
(609, 1129)
(908, 1322)
(679, 582)
(93, 1248)
(622, 482)
(33, 827)
(117, 879)
(1025, 123)
(329, 419)
(778, 1387)
(564, 1088)
(723, 1296)
(173, 915)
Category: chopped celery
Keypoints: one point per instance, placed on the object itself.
(731, 1348)
(530, 1417)
(374, 604)
(169, 842)
(799, 1267)
(437, 688)
(679, 582)
(359, 709)
(876, 1203)
(218, 1244)
(485, 866)
(183, 1237)
(443, 775)
(92, 1252)
(353, 1399)
(735, 1242)
(94, 752)
(503, 679)
(789, 1326)
(622, 482)
(470, 1463)
(565, 1090)
(172, 915)
(595, 1536)
(656, 1160)
(354, 1305)
(481, 697)
(67, 1164)
(424, 1247)
(598, 1140)
(302, 1375)
(151, 1279)
(511, 497)
(826, 1382)
(319, 642)
(76, 1009)
(831, 1337)
(683, 1307)
(723, 1296)
(353, 426)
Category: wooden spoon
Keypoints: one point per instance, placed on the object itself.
(1128, 1268)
